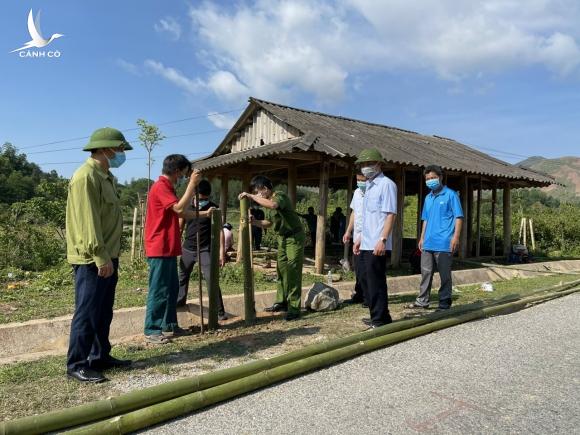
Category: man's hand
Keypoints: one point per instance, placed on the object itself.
(379, 248)
(421, 241)
(356, 247)
(195, 177)
(346, 238)
(244, 195)
(106, 270)
(454, 246)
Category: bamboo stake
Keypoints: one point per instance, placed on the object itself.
(214, 276)
(199, 264)
(133, 234)
(531, 222)
(524, 223)
(86, 413)
(521, 229)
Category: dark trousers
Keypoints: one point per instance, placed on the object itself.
(186, 265)
(257, 237)
(373, 279)
(89, 330)
(358, 295)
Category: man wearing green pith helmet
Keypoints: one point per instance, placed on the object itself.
(94, 225)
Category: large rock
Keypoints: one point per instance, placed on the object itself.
(322, 297)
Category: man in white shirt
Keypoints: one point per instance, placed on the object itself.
(379, 214)
(355, 228)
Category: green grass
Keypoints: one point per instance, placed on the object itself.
(40, 386)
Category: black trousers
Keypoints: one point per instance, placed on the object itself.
(257, 237)
(358, 295)
(89, 330)
(186, 264)
(373, 279)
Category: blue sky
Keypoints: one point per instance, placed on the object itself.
(486, 73)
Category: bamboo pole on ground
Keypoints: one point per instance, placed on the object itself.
(249, 301)
(173, 408)
(214, 275)
(86, 413)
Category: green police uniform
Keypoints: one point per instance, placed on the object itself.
(287, 225)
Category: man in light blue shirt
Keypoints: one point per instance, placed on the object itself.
(379, 213)
(442, 220)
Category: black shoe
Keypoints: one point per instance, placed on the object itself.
(352, 301)
(365, 305)
(222, 315)
(110, 363)
(276, 308)
(84, 374)
(292, 316)
(367, 321)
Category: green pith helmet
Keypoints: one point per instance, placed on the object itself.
(369, 155)
(107, 138)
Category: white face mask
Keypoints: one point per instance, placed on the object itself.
(369, 171)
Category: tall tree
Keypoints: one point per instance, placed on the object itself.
(150, 136)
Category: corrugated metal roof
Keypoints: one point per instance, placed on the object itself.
(346, 138)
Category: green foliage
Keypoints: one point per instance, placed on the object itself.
(149, 136)
(131, 191)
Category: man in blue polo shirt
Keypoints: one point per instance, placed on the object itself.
(442, 219)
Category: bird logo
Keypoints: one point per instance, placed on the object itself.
(37, 41)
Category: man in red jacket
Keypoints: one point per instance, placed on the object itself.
(163, 245)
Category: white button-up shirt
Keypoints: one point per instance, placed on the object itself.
(356, 205)
(379, 200)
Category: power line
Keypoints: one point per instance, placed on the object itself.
(132, 158)
(132, 129)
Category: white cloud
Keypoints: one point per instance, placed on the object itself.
(170, 26)
(128, 67)
(174, 76)
(278, 48)
(221, 120)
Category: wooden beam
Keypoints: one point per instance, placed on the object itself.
(292, 183)
(224, 179)
(478, 221)
(321, 221)
(397, 252)
(268, 162)
(493, 213)
(507, 219)
(464, 193)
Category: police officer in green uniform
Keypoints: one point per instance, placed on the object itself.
(281, 217)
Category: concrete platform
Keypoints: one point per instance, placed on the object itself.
(41, 337)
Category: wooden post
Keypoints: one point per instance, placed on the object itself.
(420, 204)
(224, 197)
(507, 219)
(397, 252)
(469, 218)
(349, 183)
(464, 194)
(245, 187)
(292, 183)
(493, 213)
(214, 271)
(525, 225)
(142, 229)
(249, 301)
(478, 221)
(521, 230)
(321, 221)
(134, 234)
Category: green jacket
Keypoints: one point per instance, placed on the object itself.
(285, 221)
(94, 222)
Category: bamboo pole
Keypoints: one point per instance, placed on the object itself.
(532, 236)
(521, 230)
(189, 403)
(319, 252)
(214, 275)
(525, 224)
(249, 302)
(349, 185)
(200, 288)
(86, 413)
(134, 234)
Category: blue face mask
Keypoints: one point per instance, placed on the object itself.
(433, 184)
(117, 160)
(203, 203)
(362, 185)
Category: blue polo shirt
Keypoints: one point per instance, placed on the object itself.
(439, 212)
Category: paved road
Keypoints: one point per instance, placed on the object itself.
(510, 374)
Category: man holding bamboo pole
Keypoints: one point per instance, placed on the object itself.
(281, 217)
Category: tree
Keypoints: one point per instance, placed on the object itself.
(149, 137)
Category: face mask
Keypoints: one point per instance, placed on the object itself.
(369, 171)
(203, 203)
(433, 184)
(117, 160)
(361, 185)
